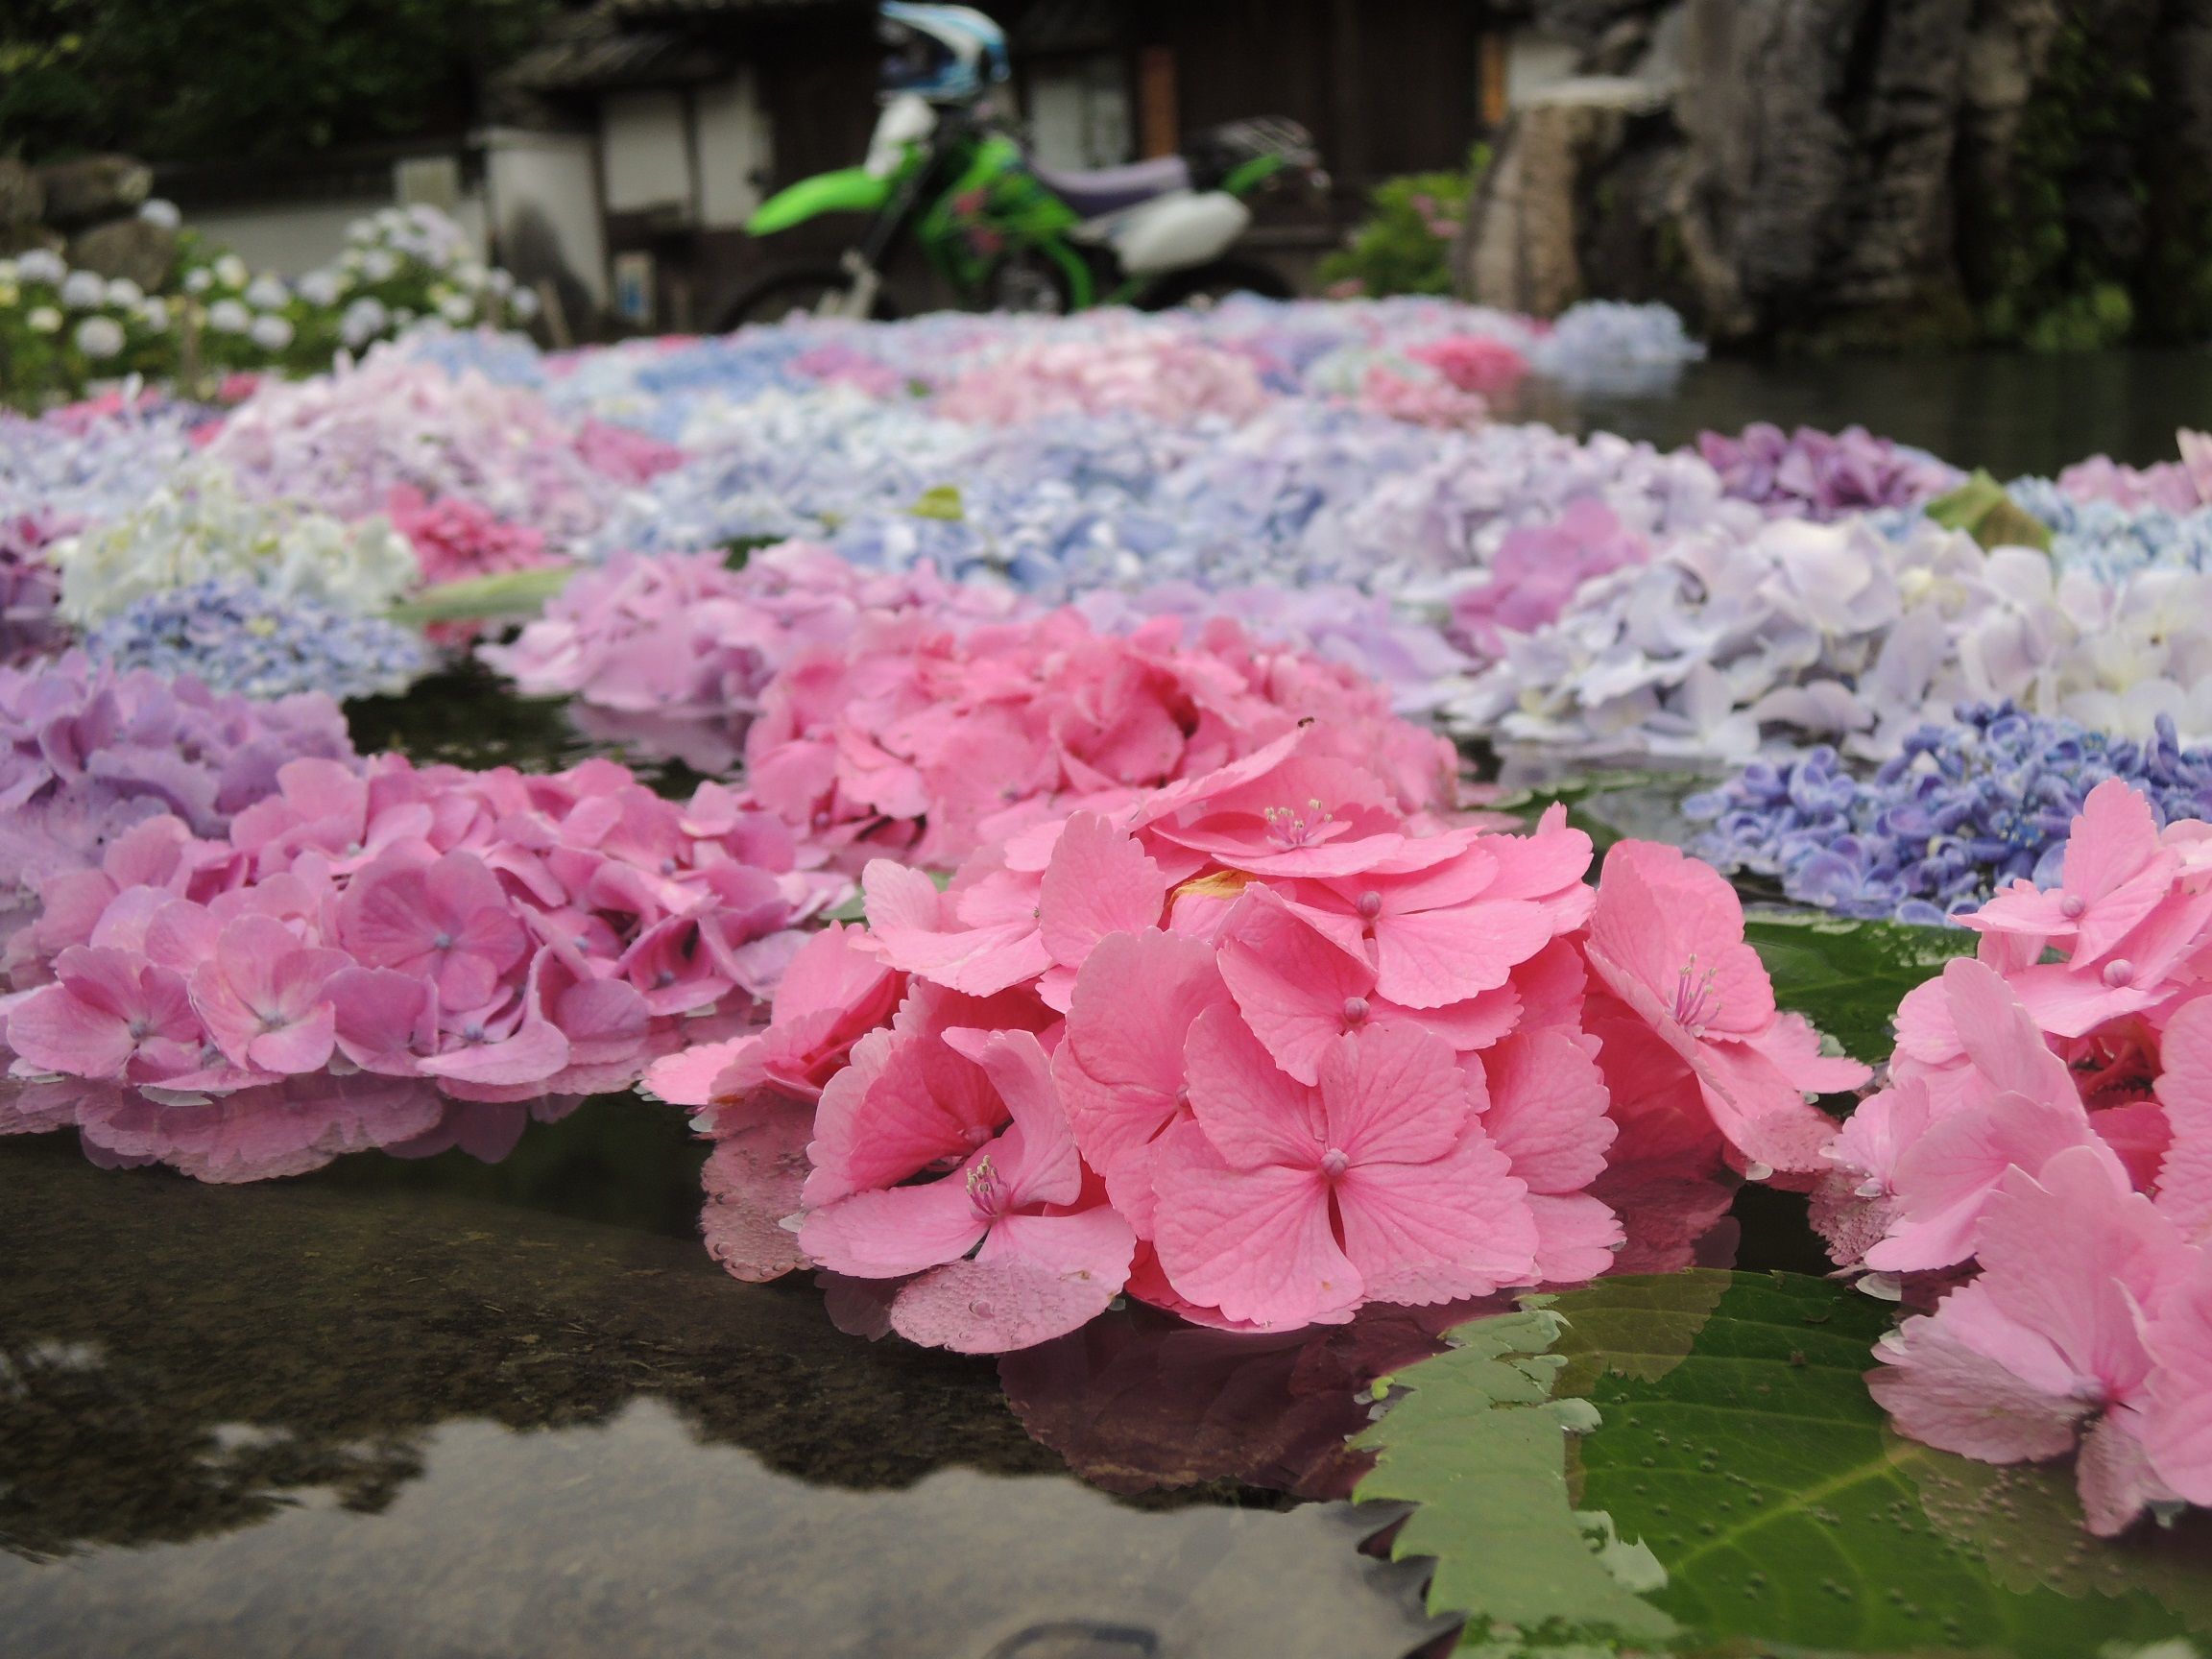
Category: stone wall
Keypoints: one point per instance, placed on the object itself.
(1865, 171)
(86, 211)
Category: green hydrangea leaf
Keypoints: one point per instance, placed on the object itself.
(1741, 1483)
(484, 598)
(1847, 976)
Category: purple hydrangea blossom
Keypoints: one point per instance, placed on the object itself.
(1959, 812)
(1812, 475)
(30, 588)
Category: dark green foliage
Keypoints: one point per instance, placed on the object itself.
(2059, 280)
(1404, 244)
(192, 80)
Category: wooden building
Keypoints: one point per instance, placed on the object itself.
(699, 108)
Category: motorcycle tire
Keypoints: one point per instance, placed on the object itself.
(1203, 284)
(779, 293)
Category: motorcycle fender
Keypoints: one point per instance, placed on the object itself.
(847, 190)
(1178, 230)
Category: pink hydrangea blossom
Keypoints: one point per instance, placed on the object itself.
(455, 538)
(924, 742)
(499, 937)
(1263, 1046)
(2047, 1129)
(1145, 369)
(1536, 570)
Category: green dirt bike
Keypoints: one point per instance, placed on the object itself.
(1006, 233)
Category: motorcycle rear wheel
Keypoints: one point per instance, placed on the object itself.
(776, 295)
(1203, 284)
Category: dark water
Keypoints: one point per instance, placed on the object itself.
(2011, 413)
(441, 1406)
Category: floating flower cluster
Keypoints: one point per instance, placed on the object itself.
(1258, 1048)
(88, 753)
(1959, 812)
(1813, 475)
(496, 935)
(924, 741)
(348, 439)
(243, 636)
(2048, 1122)
(287, 1127)
(1159, 375)
(1837, 631)
(201, 527)
(2174, 485)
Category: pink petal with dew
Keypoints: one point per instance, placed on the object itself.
(886, 1232)
(1252, 1113)
(2184, 1088)
(1135, 1003)
(1253, 1243)
(1099, 882)
(997, 1304)
(1547, 1110)
(54, 1029)
(1394, 1095)
(687, 1078)
(903, 1104)
(753, 1180)
(1453, 1226)
(534, 1053)
(1578, 1236)
(1942, 1389)
(1451, 954)
(2114, 1475)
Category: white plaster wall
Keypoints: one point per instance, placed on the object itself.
(1534, 63)
(546, 181)
(290, 238)
(735, 143)
(1079, 115)
(644, 161)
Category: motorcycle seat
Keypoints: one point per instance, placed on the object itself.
(1099, 190)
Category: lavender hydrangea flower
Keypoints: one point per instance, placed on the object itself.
(239, 636)
(1812, 475)
(1959, 812)
(86, 751)
(30, 588)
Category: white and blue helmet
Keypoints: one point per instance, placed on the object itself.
(946, 54)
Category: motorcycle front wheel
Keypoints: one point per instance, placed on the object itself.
(780, 293)
(1202, 285)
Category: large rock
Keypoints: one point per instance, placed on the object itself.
(134, 247)
(93, 187)
(22, 198)
(17, 239)
(1521, 249)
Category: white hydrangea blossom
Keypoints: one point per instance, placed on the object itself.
(200, 526)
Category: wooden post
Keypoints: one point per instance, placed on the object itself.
(1157, 126)
(1492, 106)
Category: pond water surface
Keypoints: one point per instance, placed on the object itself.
(447, 1407)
